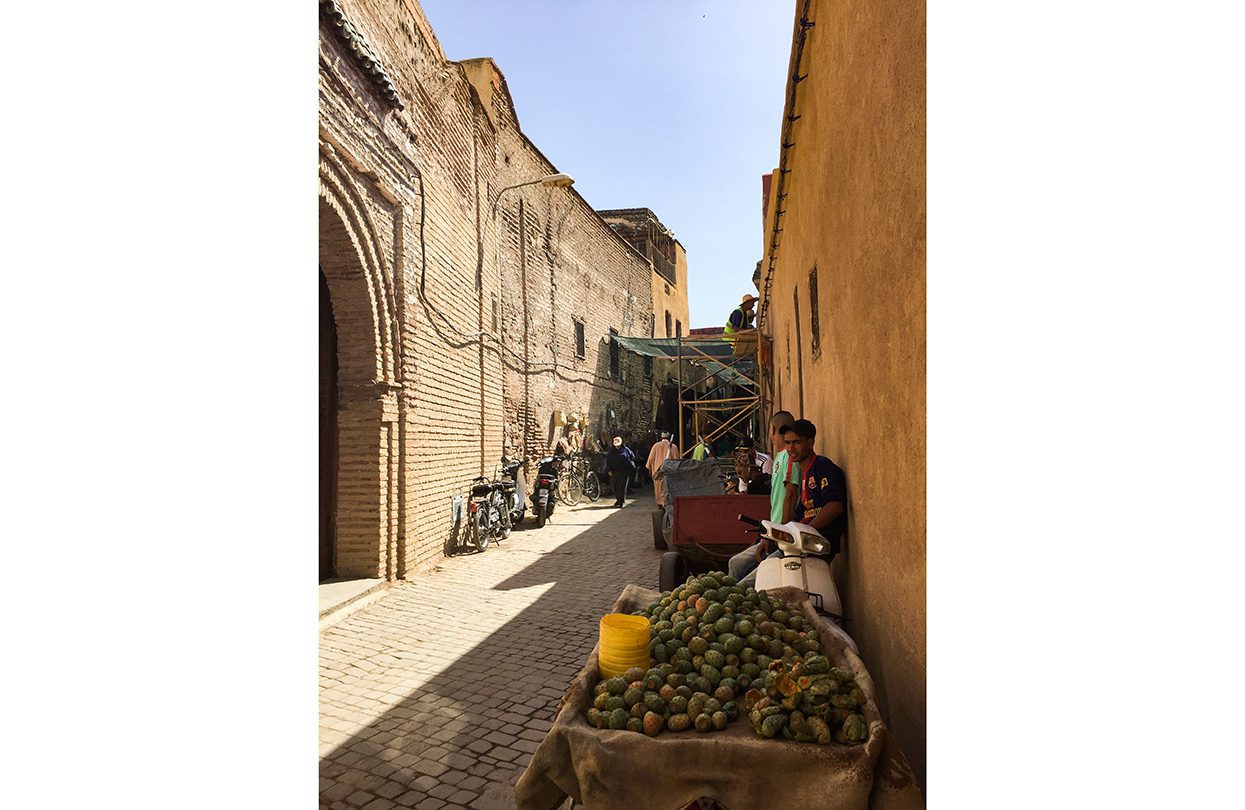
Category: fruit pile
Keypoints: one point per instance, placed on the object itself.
(713, 641)
(808, 701)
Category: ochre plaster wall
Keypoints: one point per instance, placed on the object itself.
(855, 211)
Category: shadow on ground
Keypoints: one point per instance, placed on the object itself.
(465, 735)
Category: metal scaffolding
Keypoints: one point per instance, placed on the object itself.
(719, 382)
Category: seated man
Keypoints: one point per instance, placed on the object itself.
(783, 495)
(823, 489)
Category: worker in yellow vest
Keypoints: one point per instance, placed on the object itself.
(740, 318)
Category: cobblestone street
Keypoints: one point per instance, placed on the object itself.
(436, 695)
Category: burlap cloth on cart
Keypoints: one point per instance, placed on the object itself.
(623, 770)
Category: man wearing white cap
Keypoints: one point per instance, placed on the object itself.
(741, 317)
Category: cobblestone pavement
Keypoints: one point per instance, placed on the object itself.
(436, 695)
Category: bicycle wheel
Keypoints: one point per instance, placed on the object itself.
(571, 490)
(592, 486)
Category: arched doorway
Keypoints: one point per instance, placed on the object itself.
(358, 437)
(328, 432)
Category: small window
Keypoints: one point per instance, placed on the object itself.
(613, 354)
(669, 332)
(648, 368)
(678, 328)
(814, 322)
(494, 313)
(580, 348)
(652, 324)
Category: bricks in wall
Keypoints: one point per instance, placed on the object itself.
(417, 265)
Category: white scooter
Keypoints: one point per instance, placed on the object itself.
(803, 564)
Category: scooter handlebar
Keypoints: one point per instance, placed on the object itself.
(750, 521)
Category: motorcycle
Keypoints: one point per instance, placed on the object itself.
(804, 563)
(514, 491)
(544, 492)
(487, 517)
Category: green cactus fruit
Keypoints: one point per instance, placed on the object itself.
(744, 628)
(594, 717)
(653, 681)
(796, 621)
(614, 702)
(854, 730)
(702, 684)
(717, 647)
(711, 674)
(734, 644)
(698, 661)
(704, 722)
(684, 691)
(789, 637)
(681, 654)
(841, 675)
(698, 646)
(732, 710)
(599, 689)
(616, 686)
(633, 695)
(600, 701)
(776, 648)
(846, 702)
(748, 655)
(858, 695)
(678, 705)
(730, 670)
(719, 719)
(679, 722)
(713, 613)
(819, 730)
(676, 679)
(638, 710)
(724, 625)
(780, 615)
(715, 659)
(618, 719)
(666, 692)
(751, 669)
(712, 705)
(665, 635)
(743, 682)
(696, 705)
(635, 724)
(653, 723)
(817, 665)
(658, 652)
(724, 693)
(771, 726)
(654, 702)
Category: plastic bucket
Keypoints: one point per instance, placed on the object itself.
(624, 644)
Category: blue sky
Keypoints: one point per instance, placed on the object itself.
(673, 106)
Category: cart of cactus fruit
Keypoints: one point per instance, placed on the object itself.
(745, 699)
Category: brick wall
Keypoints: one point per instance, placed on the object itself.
(414, 261)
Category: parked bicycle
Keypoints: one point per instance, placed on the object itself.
(488, 518)
(578, 480)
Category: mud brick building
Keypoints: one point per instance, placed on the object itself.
(843, 299)
(458, 319)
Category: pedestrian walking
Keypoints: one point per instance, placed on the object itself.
(620, 462)
(662, 452)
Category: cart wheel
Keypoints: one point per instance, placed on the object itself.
(659, 538)
(673, 571)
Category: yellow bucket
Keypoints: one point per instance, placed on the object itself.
(624, 644)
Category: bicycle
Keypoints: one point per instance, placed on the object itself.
(577, 481)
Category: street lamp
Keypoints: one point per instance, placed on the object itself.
(559, 180)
